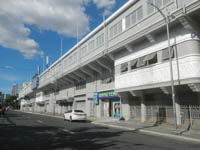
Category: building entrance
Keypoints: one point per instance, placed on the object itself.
(111, 108)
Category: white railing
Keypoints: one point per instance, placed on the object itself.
(165, 113)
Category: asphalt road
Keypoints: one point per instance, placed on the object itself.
(22, 131)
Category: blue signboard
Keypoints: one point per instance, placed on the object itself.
(107, 94)
(96, 98)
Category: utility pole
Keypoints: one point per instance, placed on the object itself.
(167, 21)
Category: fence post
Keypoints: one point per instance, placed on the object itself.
(190, 114)
(152, 114)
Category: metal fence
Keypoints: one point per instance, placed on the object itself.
(165, 113)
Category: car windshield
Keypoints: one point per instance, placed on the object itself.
(80, 111)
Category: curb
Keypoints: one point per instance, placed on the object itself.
(41, 114)
(152, 132)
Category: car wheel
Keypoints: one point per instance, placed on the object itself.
(70, 118)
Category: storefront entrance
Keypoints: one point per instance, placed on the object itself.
(111, 108)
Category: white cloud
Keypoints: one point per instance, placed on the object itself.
(106, 4)
(60, 16)
(9, 77)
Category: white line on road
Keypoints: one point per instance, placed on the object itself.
(68, 131)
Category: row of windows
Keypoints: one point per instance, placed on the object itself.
(134, 17)
(107, 80)
(158, 3)
(91, 45)
(71, 59)
(81, 85)
(146, 60)
(100, 40)
(116, 29)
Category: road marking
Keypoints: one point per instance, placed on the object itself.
(68, 131)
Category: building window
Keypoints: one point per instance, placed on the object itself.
(100, 40)
(152, 58)
(133, 64)
(124, 67)
(134, 17)
(91, 45)
(116, 29)
(81, 85)
(75, 57)
(141, 62)
(150, 8)
(165, 54)
(128, 21)
(158, 3)
(107, 80)
(84, 51)
(139, 13)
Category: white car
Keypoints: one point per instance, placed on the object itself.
(75, 115)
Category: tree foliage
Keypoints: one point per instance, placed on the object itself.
(11, 101)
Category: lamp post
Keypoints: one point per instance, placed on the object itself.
(167, 21)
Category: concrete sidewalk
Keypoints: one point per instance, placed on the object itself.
(164, 130)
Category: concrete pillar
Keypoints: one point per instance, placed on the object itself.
(178, 109)
(198, 99)
(125, 106)
(143, 109)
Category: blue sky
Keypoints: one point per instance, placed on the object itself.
(30, 30)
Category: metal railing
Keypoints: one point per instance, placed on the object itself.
(164, 113)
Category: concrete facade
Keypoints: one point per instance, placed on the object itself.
(125, 60)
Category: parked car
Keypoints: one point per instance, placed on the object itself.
(73, 114)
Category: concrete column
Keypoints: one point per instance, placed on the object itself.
(143, 109)
(125, 106)
(178, 109)
(198, 99)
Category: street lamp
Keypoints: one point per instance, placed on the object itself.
(167, 21)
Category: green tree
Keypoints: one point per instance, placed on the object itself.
(11, 101)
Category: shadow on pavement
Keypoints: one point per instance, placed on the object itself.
(35, 138)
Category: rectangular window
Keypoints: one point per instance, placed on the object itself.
(81, 85)
(141, 62)
(158, 3)
(119, 27)
(165, 54)
(133, 18)
(124, 67)
(139, 14)
(150, 8)
(84, 51)
(100, 40)
(111, 32)
(133, 64)
(152, 58)
(165, 2)
(91, 45)
(116, 29)
(128, 21)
